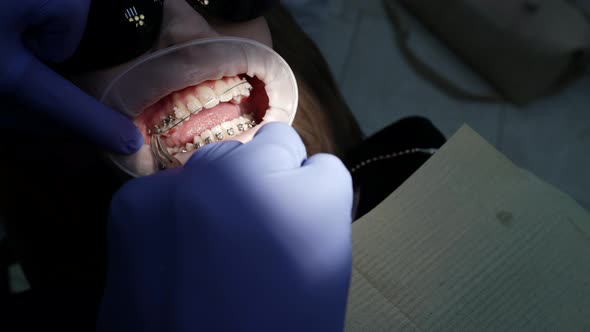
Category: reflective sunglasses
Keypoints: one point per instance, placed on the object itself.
(120, 30)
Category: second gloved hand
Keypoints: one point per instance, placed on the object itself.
(33, 31)
(244, 237)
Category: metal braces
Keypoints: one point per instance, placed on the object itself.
(166, 160)
(171, 121)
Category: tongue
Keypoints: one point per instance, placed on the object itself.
(198, 123)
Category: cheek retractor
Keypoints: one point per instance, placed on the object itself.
(157, 91)
(160, 151)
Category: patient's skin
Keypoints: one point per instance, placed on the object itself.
(181, 23)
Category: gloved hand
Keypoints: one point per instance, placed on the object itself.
(32, 31)
(244, 237)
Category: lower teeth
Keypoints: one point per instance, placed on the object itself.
(217, 133)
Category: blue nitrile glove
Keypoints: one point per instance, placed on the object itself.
(244, 237)
(32, 31)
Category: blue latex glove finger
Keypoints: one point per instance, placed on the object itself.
(64, 102)
(51, 30)
(283, 140)
(54, 27)
(230, 243)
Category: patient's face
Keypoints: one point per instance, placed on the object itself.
(229, 104)
(71, 166)
(181, 23)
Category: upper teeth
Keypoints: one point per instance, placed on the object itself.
(224, 90)
(193, 104)
(207, 96)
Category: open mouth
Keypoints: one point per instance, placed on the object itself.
(198, 93)
(208, 112)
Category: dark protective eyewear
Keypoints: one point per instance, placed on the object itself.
(120, 30)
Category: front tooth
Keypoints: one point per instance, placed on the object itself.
(220, 86)
(236, 91)
(207, 137)
(198, 142)
(237, 99)
(217, 132)
(193, 103)
(233, 81)
(180, 113)
(228, 128)
(221, 90)
(237, 124)
(180, 110)
(245, 90)
(248, 121)
(227, 96)
(207, 96)
(244, 121)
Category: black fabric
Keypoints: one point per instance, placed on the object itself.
(376, 180)
(232, 10)
(120, 30)
(6, 258)
(57, 310)
(116, 31)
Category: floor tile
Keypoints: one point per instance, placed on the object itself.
(325, 23)
(336, 43)
(337, 8)
(551, 138)
(374, 7)
(380, 88)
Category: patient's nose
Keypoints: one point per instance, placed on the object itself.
(181, 23)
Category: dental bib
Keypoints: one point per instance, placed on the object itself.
(159, 75)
